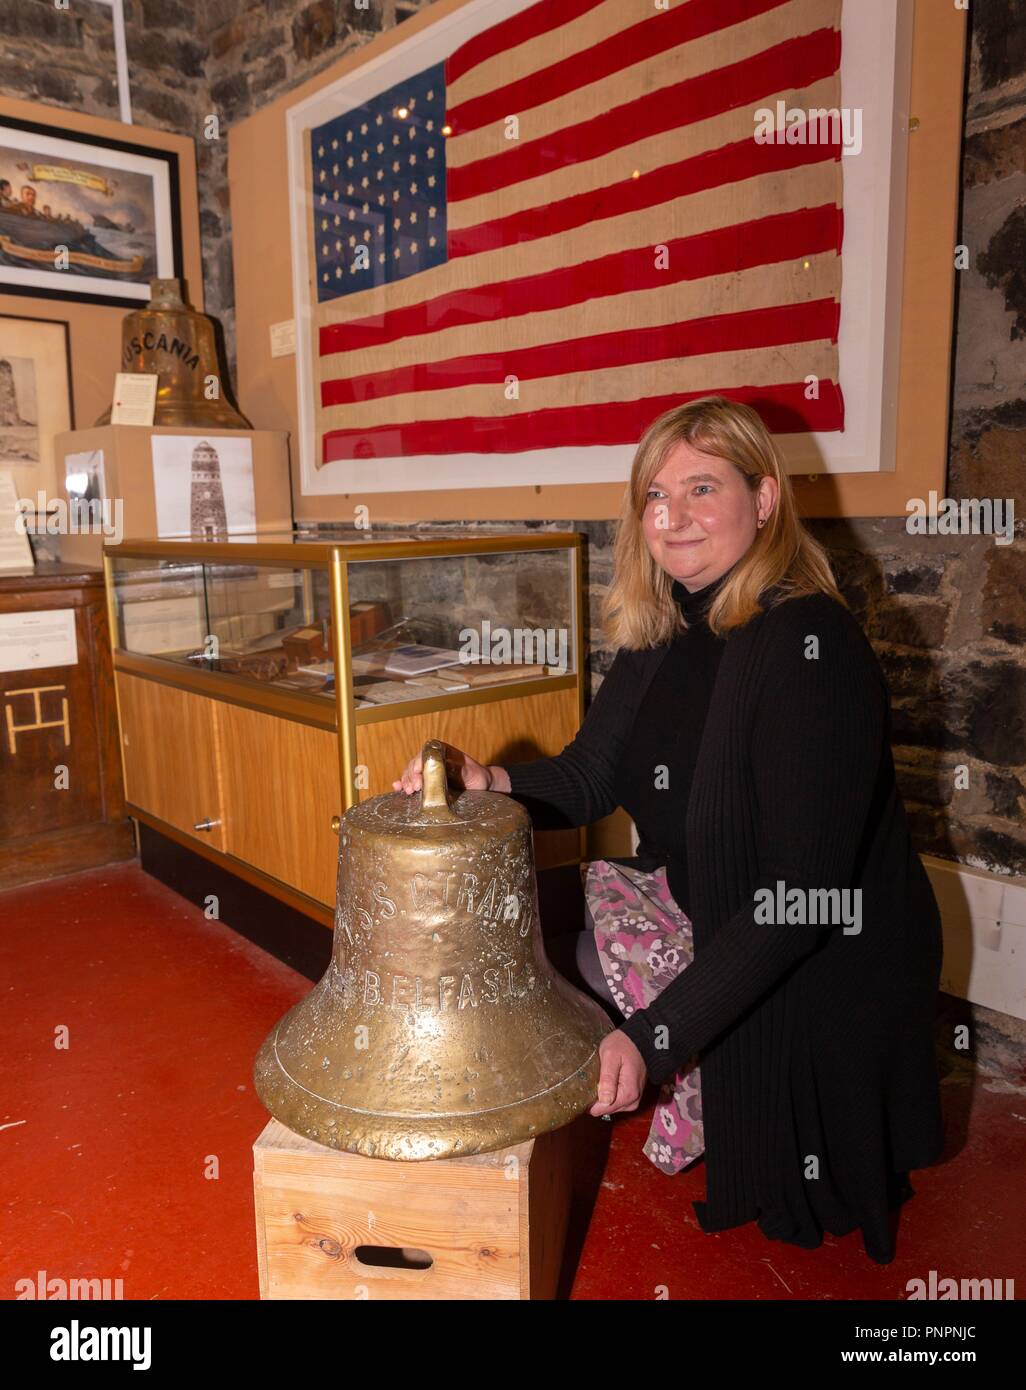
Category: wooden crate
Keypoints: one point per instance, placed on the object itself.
(493, 1225)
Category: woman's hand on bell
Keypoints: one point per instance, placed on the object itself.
(461, 768)
(622, 1075)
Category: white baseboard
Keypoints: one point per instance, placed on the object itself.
(984, 919)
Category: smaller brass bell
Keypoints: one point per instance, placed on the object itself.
(440, 1029)
(177, 345)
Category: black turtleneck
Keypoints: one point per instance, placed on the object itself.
(653, 778)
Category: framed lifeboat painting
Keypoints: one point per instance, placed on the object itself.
(525, 231)
(83, 218)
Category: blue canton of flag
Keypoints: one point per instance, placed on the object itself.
(379, 188)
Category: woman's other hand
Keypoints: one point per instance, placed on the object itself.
(462, 769)
(622, 1075)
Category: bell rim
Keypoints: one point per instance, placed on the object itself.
(430, 1138)
(270, 1058)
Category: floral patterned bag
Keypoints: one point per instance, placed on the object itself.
(644, 940)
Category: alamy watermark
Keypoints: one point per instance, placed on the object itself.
(81, 1342)
(503, 646)
(71, 517)
(810, 907)
(793, 125)
(935, 1286)
(970, 516)
(45, 1287)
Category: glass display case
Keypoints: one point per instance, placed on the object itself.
(421, 623)
(266, 684)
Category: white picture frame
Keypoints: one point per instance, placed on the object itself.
(876, 66)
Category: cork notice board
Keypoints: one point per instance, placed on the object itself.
(914, 391)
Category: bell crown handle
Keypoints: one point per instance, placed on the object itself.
(435, 790)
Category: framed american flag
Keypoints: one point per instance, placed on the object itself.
(523, 233)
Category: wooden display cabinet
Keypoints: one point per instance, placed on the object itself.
(61, 804)
(252, 716)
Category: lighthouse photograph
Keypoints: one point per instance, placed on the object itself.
(203, 487)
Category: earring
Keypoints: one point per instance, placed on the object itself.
(762, 521)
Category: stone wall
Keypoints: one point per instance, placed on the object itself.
(975, 679)
(947, 622)
(258, 49)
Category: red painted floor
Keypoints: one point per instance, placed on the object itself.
(106, 1145)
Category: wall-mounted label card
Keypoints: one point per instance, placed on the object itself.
(283, 338)
(15, 550)
(135, 398)
(38, 639)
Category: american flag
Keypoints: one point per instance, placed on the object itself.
(568, 227)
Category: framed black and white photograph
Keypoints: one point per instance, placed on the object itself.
(84, 218)
(35, 398)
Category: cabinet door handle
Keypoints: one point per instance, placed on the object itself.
(336, 823)
(207, 824)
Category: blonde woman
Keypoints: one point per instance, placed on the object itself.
(773, 949)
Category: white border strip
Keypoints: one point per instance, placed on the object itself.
(117, 10)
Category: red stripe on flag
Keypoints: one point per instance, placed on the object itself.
(646, 39)
(764, 241)
(749, 329)
(729, 164)
(511, 33)
(783, 409)
(794, 64)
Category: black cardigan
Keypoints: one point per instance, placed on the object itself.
(819, 1082)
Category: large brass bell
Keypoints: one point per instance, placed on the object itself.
(176, 344)
(440, 1028)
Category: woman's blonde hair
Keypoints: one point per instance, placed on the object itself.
(639, 610)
